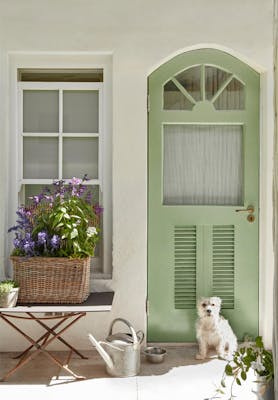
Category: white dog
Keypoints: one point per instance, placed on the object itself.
(213, 330)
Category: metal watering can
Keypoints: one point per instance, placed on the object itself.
(120, 351)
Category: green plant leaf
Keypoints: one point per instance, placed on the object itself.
(243, 375)
(229, 370)
(238, 381)
(259, 342)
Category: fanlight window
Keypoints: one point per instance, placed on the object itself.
(204, 83)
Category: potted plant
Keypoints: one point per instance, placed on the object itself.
(254, 356)
(55, 236)
(8, 293)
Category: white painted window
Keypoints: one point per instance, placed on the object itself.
(62, 131)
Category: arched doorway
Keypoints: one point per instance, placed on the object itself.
(203, 176)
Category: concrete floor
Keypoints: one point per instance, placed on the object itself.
(179, 377)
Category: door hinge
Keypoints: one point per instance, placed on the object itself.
(147, 306)
(148, 103)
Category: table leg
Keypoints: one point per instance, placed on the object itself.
(52, 331)
(41, 348)
(65, 364)
(45, 336)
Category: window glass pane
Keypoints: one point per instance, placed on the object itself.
(203, 165)
(80, 111)
(174, 99)
(29, 191)
(60, 75)
(80, 157)
(40, 111)
(40, 158)
(215, 78)
(232, 98)
(191, 81)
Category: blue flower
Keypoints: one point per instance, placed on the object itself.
(42, 238)
(55, 242)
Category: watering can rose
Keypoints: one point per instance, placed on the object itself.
(61, 221)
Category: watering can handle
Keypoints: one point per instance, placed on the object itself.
(134, 335)
(140, 336)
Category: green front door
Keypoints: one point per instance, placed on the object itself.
(203, 193)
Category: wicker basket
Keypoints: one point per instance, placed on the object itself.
(52, 280)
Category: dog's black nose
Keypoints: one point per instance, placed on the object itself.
(208, 311)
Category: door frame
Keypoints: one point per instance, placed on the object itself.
(265, 251)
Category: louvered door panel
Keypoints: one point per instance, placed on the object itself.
(185, 267)
(223, 264)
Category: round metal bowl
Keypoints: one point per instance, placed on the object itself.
(155, 354)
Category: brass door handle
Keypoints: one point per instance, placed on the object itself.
(249, 209)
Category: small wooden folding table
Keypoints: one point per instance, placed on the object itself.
(64, 316)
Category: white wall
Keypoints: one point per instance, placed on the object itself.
(140, 34)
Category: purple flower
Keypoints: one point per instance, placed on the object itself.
(17, 243)
(34, 228)
(42, 238)
(37, 199)
(98, 209)
(29, 248)
(75, 181)
(89, 197)
(55, 242)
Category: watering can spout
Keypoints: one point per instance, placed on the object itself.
(102, 352)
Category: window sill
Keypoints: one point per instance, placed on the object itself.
(100, 282)
(101, 275)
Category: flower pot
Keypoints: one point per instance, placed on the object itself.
(265, 389)
(9, 299)
(52, 279)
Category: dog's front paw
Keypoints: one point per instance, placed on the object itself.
(200, 356)
(225, 356)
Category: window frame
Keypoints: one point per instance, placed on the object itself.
(63, 61)
(60, 87)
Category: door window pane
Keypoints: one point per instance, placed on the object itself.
(80, 157)
(191, 81)
(232, 97)
(40, 111)
(40, 158)
(174, 99)
(215, 77)
(80, 111)
(203, 165)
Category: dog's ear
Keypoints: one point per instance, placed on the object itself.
(217, 301)
(201, 300)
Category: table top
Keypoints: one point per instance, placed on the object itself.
(96, 302)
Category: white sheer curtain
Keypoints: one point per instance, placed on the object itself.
(203, 164)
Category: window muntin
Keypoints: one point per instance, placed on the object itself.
(70, 148)
(72, 142)
(204, 83)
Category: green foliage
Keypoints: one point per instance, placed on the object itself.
(250, 355)
(61, 221)
(228, 370)
(6, 286)
(70, 219)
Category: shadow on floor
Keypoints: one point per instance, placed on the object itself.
(42, 371)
